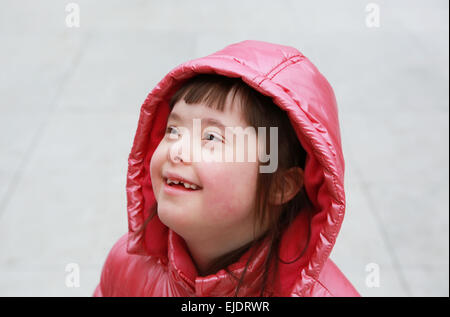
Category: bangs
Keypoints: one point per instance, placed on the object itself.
(214, 91)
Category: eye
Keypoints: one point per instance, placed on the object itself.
(172, 131)
(212, 136)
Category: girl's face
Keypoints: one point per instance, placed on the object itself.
(223, 206)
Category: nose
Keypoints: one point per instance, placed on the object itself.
(179, 151)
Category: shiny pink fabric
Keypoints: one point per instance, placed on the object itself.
(156, 262)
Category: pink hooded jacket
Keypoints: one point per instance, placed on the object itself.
(156, 262)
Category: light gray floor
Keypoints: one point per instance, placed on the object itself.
(70, 100)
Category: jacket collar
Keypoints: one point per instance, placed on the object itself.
(222, 283)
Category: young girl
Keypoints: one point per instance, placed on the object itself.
(201, 225)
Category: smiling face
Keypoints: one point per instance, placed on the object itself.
(223, 204)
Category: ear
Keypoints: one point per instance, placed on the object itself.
(292, 181)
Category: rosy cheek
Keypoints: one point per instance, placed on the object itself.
(216, 183)
(229, 191)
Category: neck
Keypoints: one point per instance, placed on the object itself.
(209, 247)
(210, 260)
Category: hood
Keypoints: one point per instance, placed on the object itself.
(296, 86)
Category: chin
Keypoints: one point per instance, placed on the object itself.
(174, 217)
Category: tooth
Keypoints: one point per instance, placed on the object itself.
(186, 185)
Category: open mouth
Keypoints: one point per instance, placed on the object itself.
(180, 185)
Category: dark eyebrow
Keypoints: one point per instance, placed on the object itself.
(208, 121)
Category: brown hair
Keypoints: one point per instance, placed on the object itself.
(258, 111)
